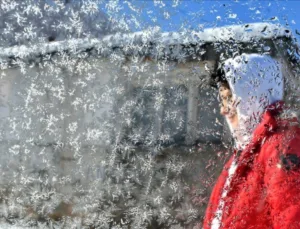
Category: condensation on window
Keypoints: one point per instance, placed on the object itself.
(109, 111)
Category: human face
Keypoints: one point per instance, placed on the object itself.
(228, 105)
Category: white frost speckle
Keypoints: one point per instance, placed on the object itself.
(232, 16)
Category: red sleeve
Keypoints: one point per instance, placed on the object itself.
(282, 180)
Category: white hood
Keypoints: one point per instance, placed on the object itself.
(257, 81)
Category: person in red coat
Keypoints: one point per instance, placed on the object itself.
(259, 186)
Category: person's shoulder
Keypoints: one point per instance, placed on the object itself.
(286, 144)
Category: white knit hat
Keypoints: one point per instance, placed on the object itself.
(257, 81)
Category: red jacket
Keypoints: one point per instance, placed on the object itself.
(265, 188)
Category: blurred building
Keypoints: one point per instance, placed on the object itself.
(65, 104)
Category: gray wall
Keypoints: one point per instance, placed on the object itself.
(74, 123)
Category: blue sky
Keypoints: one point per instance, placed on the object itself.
(176, 15)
